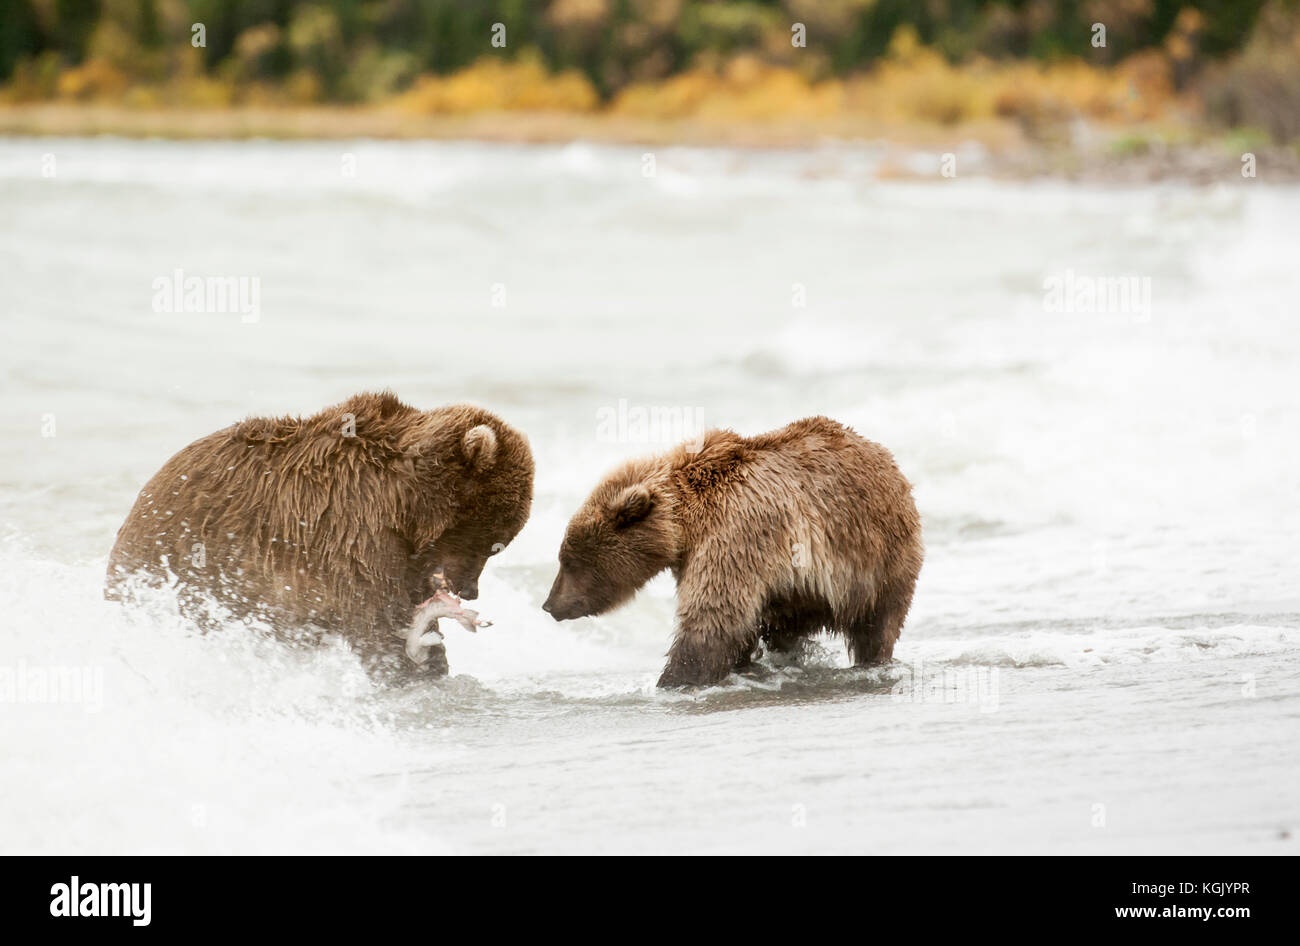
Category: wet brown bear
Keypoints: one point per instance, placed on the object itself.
(770, 538)
(336, 522)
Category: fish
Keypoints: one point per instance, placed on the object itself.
(423, 631)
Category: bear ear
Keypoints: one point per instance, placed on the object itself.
(480, 447)
(632, 505)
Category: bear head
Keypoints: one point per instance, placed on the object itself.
(491, 467)
(620, 538)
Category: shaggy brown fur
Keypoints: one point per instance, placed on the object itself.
(335, 522)
(773, 537)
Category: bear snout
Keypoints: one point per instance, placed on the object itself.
(455, 578)
(551, 607)
(561, 612)
(556, 603)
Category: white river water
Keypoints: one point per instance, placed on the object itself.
(1104, 651)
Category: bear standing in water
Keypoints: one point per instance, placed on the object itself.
(771, 538)
(342, 522)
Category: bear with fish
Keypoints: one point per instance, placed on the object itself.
(373, 520)
(370, 520)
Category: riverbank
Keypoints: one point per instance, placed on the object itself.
(994, 148)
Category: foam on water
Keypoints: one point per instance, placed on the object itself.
(130, 731)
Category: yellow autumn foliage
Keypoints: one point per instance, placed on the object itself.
(912, 84)
(500, 85)
(747, 89)
(93, 79)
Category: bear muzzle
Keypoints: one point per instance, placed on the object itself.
(451, 578)
(554, 609)
(561, 606)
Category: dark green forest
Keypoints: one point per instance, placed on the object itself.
(1234, 63)
(367, 49)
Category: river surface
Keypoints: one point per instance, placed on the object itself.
(1096, 392)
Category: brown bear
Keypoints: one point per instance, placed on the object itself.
(770, 538)
(340, 522)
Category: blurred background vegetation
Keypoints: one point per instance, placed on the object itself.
(1228, 64)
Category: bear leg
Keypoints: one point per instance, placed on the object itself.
(694, 660)
(716, 629)
(871, 638)
(746, 659)
(386, 663)
(435, 664)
